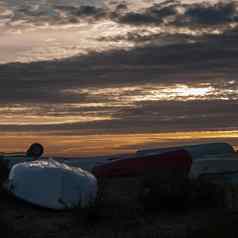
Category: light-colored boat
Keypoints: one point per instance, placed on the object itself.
(50, 184)
(197, 151)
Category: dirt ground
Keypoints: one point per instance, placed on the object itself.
(118, 215)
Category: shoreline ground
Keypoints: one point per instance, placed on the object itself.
(114, 219)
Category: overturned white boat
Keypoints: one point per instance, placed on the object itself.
(51, 184)
(196, 151)
(220, 165)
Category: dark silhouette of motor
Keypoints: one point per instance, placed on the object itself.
(35, 150)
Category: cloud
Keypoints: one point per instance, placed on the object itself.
(178, 62)
(150, 117)
(156, 14)
(90, 11)
(101, 83)
(53, 12)
(83, 11)
(177, 13)
(203, 14)
(207, 14)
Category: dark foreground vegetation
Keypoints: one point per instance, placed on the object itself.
(152, 206)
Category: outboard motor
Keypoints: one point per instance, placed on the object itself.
(36, 150)
(8, 160)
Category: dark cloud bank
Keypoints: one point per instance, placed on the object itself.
(174, 12)
(168, 12)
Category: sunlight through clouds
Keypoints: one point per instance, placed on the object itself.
(146, 92)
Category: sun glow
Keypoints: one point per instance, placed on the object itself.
(89, 145)
(186, 91)
(47, 120)
(140, 93)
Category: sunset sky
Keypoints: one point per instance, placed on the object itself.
(103, 76)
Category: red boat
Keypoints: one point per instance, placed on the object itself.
(139, 165)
